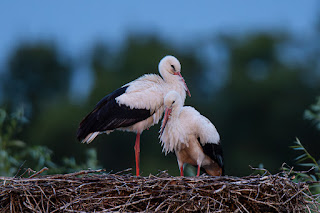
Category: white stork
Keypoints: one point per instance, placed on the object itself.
(135, 106)
(192, 137)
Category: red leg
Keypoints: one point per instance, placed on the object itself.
(137, 153)
(181, 171)
(198, 173)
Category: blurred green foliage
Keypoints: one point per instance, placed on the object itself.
(14, 152)
(313, 113)
(37, 75)
(16, 155)
(309, 171)
(251, 87)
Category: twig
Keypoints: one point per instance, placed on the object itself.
(83, 172)
(19, 169)
(39, 172)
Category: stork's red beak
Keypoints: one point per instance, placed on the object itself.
(165, 119)
(179, 74)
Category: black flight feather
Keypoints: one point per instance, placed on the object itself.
(214, 151)
(109, 115)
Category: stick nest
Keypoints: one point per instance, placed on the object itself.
(94, 191)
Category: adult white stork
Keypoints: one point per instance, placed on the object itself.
(192, 137)
(135, 106)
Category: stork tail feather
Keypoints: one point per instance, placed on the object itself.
(90, 137)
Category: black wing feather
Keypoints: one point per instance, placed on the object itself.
(214, 151)
(109, 115)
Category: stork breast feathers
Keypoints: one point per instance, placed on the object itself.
(145, 92)
(199, 126)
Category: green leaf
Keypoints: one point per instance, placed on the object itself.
(300, 157)
(307, 164)
(298, 148)
(302, 160)
(313, 177)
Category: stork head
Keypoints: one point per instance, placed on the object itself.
(172, 103)
(170, 66)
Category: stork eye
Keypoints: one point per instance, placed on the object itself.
(173, 67)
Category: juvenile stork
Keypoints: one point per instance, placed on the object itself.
(135, 106)
(192, 137)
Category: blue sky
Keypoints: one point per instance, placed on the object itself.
(75, 24)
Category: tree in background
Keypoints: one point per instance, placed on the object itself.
(37, 75)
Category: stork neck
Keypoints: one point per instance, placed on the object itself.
(176, 110)
(169, 78)
(175, 83)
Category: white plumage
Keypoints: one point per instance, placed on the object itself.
(191, 136)
(135, 106)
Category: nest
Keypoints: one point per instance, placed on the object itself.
(95, 191)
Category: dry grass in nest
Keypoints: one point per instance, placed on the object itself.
(94, 191)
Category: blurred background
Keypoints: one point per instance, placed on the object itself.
(252, 68)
